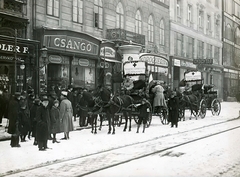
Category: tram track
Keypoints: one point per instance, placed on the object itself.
(109, 158)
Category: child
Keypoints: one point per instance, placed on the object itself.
(55, 120)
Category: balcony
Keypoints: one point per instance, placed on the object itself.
(124, 35)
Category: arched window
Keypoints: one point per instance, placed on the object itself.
(237, 36)
(120, 16)
(150, 29)
(138, 23)
(228, 32)
(162, 31)
(98, 14)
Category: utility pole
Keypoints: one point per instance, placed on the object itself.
(15, 62)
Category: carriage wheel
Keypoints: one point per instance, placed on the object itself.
(164, 116)
(215, 107)
(202, 108)
(149, 110)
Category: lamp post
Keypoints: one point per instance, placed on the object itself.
(42, 73)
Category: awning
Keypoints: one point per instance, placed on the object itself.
(111, 60)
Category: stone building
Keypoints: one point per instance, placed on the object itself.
(231, 47)
(196, 35)
(82, 37)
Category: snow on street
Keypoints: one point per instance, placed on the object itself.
(83, 143)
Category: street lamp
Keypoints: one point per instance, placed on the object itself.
(42, 73)
(44, 51)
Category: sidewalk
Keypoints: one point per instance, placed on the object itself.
(6, 136)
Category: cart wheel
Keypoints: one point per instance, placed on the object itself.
(216, 107)
(202, 108)
(149, 110)
(164, 116)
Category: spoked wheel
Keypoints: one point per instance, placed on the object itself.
(149, 113)
(202, 108)
(215, 107)
(164, 116)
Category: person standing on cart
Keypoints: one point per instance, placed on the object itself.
(159, 98)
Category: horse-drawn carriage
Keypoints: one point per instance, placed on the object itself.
(197, 96)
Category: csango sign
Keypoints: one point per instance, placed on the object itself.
(71, 44)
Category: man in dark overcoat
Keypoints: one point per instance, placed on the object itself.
(173, 108)
(43, 124)
(13, 127)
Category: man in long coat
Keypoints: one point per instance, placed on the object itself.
(173, 107)
(66, 114)
(43, 124)
(13, 127)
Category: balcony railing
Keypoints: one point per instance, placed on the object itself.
(124, 35)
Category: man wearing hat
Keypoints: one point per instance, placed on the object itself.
(33, 115)
(13, 127)
(43, 124)
(66, 114)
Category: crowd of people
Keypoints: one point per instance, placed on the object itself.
(41, 118)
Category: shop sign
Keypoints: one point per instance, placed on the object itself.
(157, 61)
(177, 62)
(71, 44)
(11, 48)
(55, 59)
(202, 61)
(187, 64)
(83, 62)
(107, 52)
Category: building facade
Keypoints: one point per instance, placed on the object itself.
(231, 47)
(196, 34)
(18, 52)
(83, 37)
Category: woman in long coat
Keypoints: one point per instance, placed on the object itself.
(159, 99)
(173, 107)
(66, 114)
(33, 117)
(13, 128)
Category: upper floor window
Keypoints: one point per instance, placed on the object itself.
(237, 10)
(189, 17)
(178, 11)
(138, 23)
(120, 16)
(209, 22)
(209, 51)
(98, 14)
(53, 7)
(237, 36)
(200, 49)
(150, 29)
(216, 3)
(200, 19)
(228, 6)
(228, 32)
(162, 35)
(78, 11)
(217, 28)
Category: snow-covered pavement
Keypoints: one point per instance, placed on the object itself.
(83, 143)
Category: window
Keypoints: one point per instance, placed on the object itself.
(162, 39)
(189, 17)
(216, 3)
(179, 44)
(209, 51)
(190, 47)
(78, 11)
(237, 36)
(228, 32)
(98, 14)
(228, 5)
(216, 55)
(150, 29)
(120, 16)
(237, 10)
(209, 22)
(200, 49)
(138, 23)
(178, 11)
(200, 19)
(217, 28)
(53, 7)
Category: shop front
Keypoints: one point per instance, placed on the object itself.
(18, 67)
(72, 59)
(109, 66)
